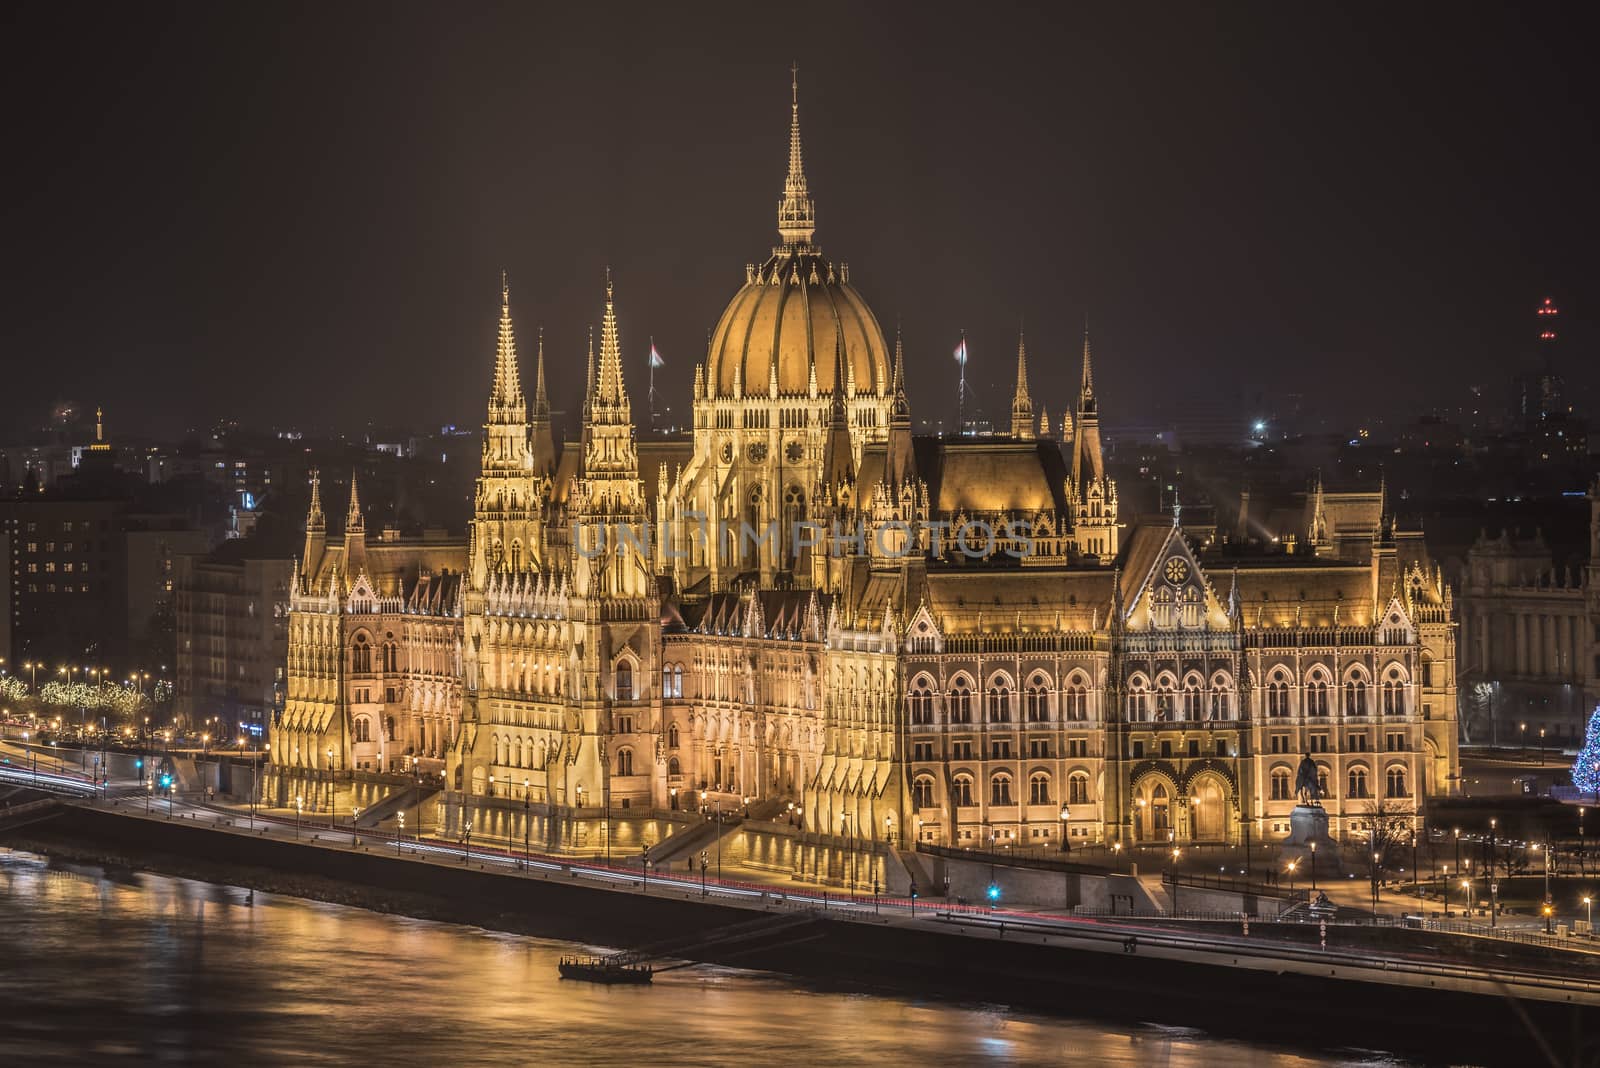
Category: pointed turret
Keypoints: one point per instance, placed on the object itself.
(505, 431)
(838, 459)
(353, 521)
(355, 534)
(610, 393)
(506, 403)
(588, 378)
(797, 217)
(1021, 402)
(1087, 461)
(899, 463)
(316, 530)
(542, 446)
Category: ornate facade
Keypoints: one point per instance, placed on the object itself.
(804, 604)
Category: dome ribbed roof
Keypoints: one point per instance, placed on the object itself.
(792, 310)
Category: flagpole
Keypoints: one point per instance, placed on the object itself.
(651, 360)
(961, 390)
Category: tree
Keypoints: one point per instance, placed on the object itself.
(1586, 769)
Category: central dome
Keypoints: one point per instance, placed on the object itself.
(792, 312)
(795, 310)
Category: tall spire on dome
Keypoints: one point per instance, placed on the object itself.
(1021, 403)
(797, 215)
(506, 403)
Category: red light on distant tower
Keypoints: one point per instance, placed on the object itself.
(1547, 319)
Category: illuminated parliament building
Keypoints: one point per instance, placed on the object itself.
(953, 640)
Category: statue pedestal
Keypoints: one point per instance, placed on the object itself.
(1308, 825)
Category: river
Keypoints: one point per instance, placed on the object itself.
(102, 970)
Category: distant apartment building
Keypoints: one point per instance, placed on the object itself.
(1530, 639)
(232, 636)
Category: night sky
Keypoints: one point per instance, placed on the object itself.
(288, 214)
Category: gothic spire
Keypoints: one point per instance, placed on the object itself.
(541, 399)
(588, 376)
(901, 409)
(506, 403)
(609, 390)
(353, 523)
(1021, 403)
(797, 217)
(1086, 391)
(315, 520)
(541, 442)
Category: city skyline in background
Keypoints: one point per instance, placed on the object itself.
(1317, 217)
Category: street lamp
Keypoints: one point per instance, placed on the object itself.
(1066, 814)
(1549, 905)
(1466, 898)
(1313, 867)
(1293, 864)
(355, 813)
(1588, 903)
(399, 831)
(299, 807)
(527, 824)
(466, 843)
(1116, 850)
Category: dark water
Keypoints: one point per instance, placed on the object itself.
(98, 970)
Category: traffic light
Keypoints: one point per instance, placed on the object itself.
(166, 781)
(994, 892)
(138, 765)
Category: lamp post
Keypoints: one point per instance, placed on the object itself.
(673, 791)
(850, 852)
(399, 832)
(1116, 852)
(355, 813)
(1522, 734)
(705, 862)
(1588, 903)
(466, 844)
(1313, 867)
(1293, 864)
(527, 824)
(1541, 747)
(1458, 849)
(1466, 897)
(719, 840)
(1549, 905)
(299, 807)
(644, 866)
(1066, 814)
(331, 806)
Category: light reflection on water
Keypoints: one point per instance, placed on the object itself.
(102, 969)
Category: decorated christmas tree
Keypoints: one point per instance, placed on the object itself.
(1586, 769)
